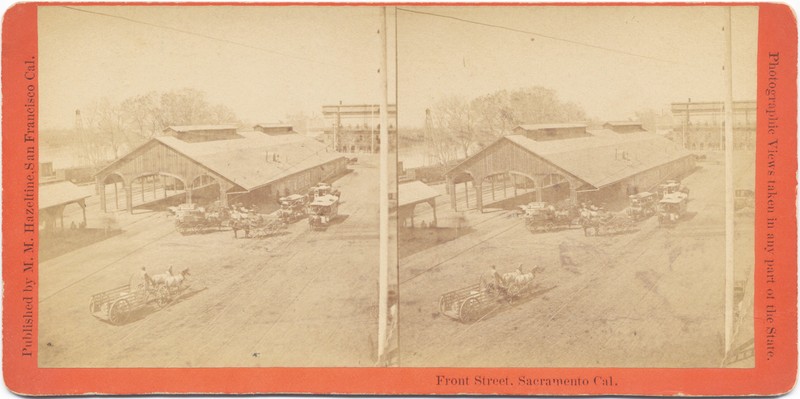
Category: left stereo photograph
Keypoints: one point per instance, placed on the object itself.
(209, 187)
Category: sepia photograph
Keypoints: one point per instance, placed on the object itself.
(210, 187)
(576, 186)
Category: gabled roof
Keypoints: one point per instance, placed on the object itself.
(604, 158)
(61, 193)
(551, 126)
(248, 161)
(273, 125)
(414, 192)
(190, 128)
(623, 123)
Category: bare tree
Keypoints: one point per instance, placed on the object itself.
(111, 128)
(500, 112)
(142, 114)
(454, 125)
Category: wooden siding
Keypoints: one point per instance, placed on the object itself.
(156, 158)
(504, 157)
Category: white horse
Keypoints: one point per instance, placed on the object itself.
(174, 282)
(161, 278)
(517, 281)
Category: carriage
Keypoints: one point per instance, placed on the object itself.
(671, 208)
(293, 208)
(322, 190)
(642, 205)
(670, 187)
(543, 217)
(117, 305)
(471, 303)
(322, 211)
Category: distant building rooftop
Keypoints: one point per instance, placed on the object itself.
(194, 128)
(552, 126)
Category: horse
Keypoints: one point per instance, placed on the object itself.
(161, 278)
(174, 282)
(515, 282)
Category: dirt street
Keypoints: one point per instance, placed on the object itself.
(303, 298)
(653, 297)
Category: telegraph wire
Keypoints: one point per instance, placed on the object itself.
(202, 35)
(510, 29)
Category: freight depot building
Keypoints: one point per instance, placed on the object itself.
(556, 162)
(218, 162)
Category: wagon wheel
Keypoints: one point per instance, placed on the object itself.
(163, 297)
(549, 226)
(118, 312)
(441, 304)
(470, 310)
(93, 306)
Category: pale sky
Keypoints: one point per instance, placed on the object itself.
(305, 57)
(290, 59)
(441, 57)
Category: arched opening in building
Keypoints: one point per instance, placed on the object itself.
(113, 193)
(507, 190)
(204, 190)
(156, 189)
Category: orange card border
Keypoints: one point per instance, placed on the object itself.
(773, 374)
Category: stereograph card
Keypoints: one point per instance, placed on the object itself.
(399, 199)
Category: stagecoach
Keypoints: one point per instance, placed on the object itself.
(322, 190)
(322, 211)
(293, 208)
(671, 208)
(642, 205)
(670, 187)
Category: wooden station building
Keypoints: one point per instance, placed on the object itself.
(219, 163)
(558, 162)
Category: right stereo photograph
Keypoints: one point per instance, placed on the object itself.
(571, 189)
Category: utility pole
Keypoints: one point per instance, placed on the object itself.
(336, 125)
(383, 284)
(729, 192)
(686, 124)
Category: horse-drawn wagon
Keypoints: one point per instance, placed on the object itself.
(255, 225)
(599, 222)
(471, 303)
(191, 219)
(544, 217)
(118, 304)
(293, 208)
